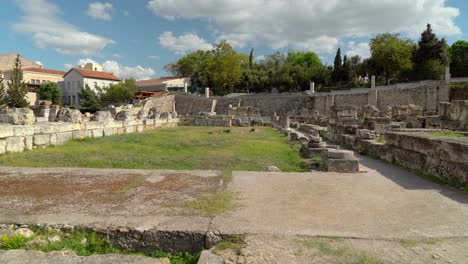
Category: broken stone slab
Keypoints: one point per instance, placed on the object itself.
(317, 145)
(57, 257)
(341, 165)
(104, 117)
(69, 115)
(340, 154)
(206, 257)
(17, 116)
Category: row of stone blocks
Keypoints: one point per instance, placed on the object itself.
(18, 138)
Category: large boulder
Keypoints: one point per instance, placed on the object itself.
(103, 117)
(17, 116)
(69, 115)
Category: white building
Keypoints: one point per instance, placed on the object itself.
(77, 78)
(163, 84)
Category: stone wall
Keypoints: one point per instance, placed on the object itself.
(163, 103)
(427, 94)
(17, 138)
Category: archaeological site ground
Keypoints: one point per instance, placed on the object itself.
(364, 176)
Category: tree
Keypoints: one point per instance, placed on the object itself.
(430, 56)
(50, 91)
(226, 68)
(251, 59)
(337, 67)
(392, 54)
(89, 100)
(120, 93)
(309, 58)
(459, 58)
(2, 91)
(17, 90)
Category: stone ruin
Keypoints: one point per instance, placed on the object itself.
(24, 129)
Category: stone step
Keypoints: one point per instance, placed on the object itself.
(340, 154)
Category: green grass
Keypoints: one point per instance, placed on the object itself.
(332, 248)
(180, 148)
(84, 244)
(412, 243)
(380, 139)
(214, 203)
(452, 134)
(233, 243)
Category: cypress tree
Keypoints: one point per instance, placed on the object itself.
(2, 91)
(337, 67)
(17, 91)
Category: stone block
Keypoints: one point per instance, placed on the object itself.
(98, 133)
(41, 140)
(140, 128)
(21, 131)
(104, 117)
(53, 139)
(6, 130)
(109, 131)
(28, 142)
(15, 144)
(69, 115)
(42, 128)
(340, 154)
(63, 137)
(130, 129)
(78, 134)
(17, 116)
(2, 146)
(93, 125)
(341, 165)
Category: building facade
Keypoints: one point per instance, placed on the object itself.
(164, 84)
(77, 78)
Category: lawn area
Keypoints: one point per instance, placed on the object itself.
(180, 148)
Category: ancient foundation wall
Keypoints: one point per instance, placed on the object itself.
(427, 94)
(17, 138)
(163, 103)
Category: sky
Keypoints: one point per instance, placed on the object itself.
(136, 38)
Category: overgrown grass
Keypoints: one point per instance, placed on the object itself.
(330, 248)
(84, 244)
(214, 203)
(380, 139)
(181, 148)
(233, 243)
(452, 134)
(412, 243)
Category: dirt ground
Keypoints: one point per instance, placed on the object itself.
(95, 196)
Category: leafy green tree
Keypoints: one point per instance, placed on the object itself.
(392, 54)
(89, 100)
(226, 68)
(459, 58)
(2, 91)
(50, 91)
(120, 93)
(17, 91)
(309, 59)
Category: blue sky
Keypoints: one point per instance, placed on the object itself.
(137, 38)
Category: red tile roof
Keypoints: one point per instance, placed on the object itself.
(158, 80)
(42, 70)
(96, 74)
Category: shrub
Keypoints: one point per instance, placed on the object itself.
(50, 91)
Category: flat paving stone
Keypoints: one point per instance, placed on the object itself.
(133, 198)
(37, 257)
(381, 201)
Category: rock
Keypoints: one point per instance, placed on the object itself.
(17, 116)
(103, 117)
(165, 115)
(212, 239)
(37, 241)
(365, 134)
(55, 238)
(69, 115)
(25, 232)
(206, 257)
(124, 116)
(271, 169)
(64, 252)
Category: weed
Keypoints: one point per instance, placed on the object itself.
(227, 176)
(380, 139)
(215, 203)
(13, 242)
(176, 258)
(452, 134)
(412, 243)
(233, 243)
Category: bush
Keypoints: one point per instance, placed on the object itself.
(430, 70)
(89, 100)
(50, 91)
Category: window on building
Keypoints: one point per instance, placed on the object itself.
(73, 100)
(69, 100)
(44, 81)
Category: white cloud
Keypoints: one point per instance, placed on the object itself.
(43, 21)
(361, 49)
(40, 63)
(310, 24)
(124, 72)
(260, 58)
(184, 43)
(101, 11)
